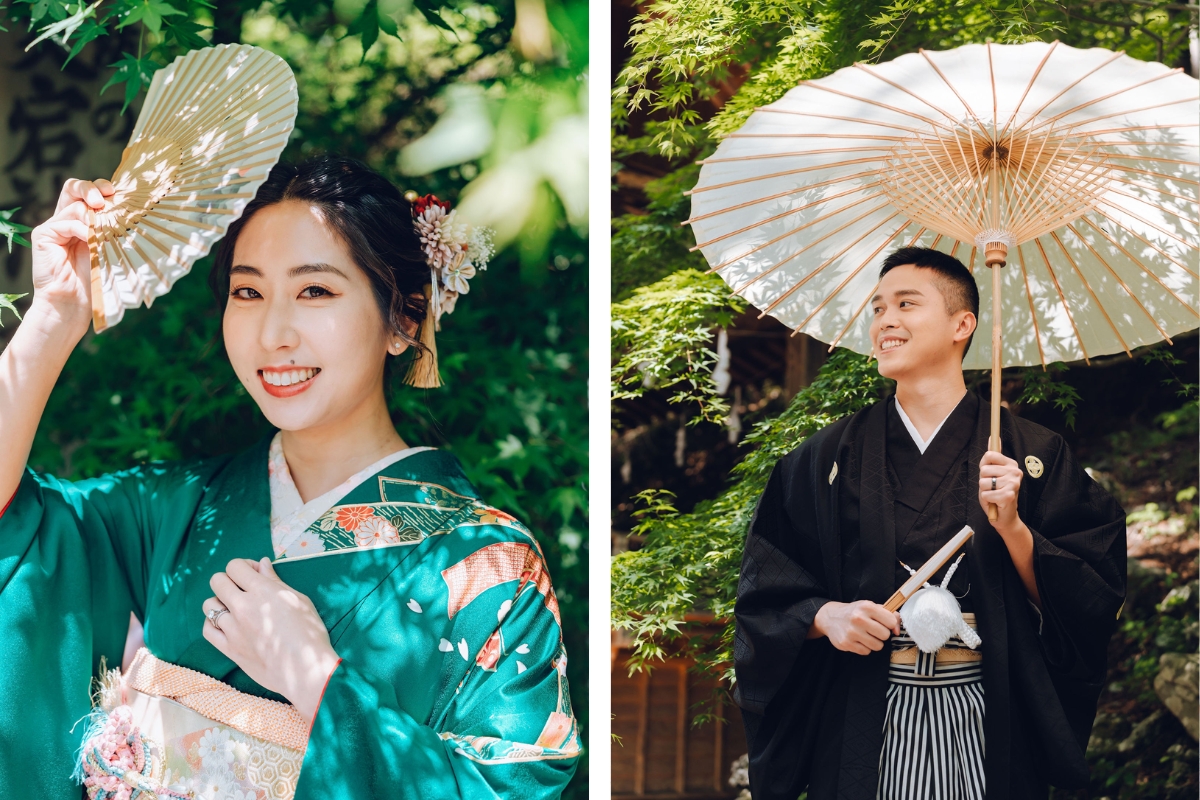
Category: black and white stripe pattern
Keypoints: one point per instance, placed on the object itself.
(932, 731)
(926, 672)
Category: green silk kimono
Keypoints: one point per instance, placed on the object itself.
(452, 681)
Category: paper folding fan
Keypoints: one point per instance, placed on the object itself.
(214, 123)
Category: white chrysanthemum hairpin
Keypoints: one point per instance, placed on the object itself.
(455, 252)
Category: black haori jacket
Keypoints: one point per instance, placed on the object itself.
(814, 714)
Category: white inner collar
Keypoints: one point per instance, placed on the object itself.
(922, 444)
(290, 515)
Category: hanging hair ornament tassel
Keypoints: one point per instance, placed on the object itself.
(455, 253)
(932, 616)
(424, 370)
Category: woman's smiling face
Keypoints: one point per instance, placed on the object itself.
(302, 327)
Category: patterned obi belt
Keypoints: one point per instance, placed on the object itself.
(954, 663)
(173, 732)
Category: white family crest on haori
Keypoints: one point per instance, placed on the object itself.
(933, 616)
(214, 123)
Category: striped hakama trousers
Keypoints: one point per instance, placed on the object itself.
(932, 729)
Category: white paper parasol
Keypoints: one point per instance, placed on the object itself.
(1077, 167)
(214, 123)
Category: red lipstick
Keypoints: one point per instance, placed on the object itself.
(299, 378)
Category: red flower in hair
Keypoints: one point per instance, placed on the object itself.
(423, 203)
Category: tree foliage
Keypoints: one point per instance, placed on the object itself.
(691, 53)
(690, 562)
(686, 306)
(166, 29)
(6, 302)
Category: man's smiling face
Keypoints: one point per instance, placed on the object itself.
(911, 329)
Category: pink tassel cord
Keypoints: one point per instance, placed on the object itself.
(117, 764)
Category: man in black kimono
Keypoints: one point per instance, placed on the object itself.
(829, 702)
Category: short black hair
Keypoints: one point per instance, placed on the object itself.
(954, 281)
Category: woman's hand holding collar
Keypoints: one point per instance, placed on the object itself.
(271, 631)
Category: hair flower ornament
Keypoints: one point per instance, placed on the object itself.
(455, 252)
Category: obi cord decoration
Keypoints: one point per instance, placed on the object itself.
(455, 252)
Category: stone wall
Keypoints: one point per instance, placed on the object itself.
(54, 125)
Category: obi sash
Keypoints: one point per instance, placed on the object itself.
(162, 730)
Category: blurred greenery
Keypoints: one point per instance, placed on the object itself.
(375, 77)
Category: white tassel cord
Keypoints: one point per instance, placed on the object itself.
(932, 616)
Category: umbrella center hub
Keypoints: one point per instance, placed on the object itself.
(965, 178)
(996, 152)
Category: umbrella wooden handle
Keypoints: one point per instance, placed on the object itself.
(993, 510)
(996, 262)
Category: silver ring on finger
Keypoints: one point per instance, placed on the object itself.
(993, 484)
(214, 615)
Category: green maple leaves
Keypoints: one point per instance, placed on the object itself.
(150, 13)
(373, 19)
(172, 25)
(6, 302)
(73, 24)
(135, 73)
(12, 230)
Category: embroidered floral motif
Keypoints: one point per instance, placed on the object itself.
(432, 511)
(375, 531)
(494, 516)
(225, 764)
(439, 496)
(291, 516)
(491, 651)
(216, 746)
(350, 517)
(413, 512)
(306, 544)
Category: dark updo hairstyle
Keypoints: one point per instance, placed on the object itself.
(370, 216)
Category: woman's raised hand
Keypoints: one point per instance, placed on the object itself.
(55, 321)
(61, 272)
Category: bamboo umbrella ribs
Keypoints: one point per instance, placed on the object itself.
(1071, 175)
(214, 123)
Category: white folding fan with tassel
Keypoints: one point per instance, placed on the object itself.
(214, 123)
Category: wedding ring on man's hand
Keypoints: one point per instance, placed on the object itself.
(214, 615)
(993, 489)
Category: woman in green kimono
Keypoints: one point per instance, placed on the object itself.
(329, 576)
